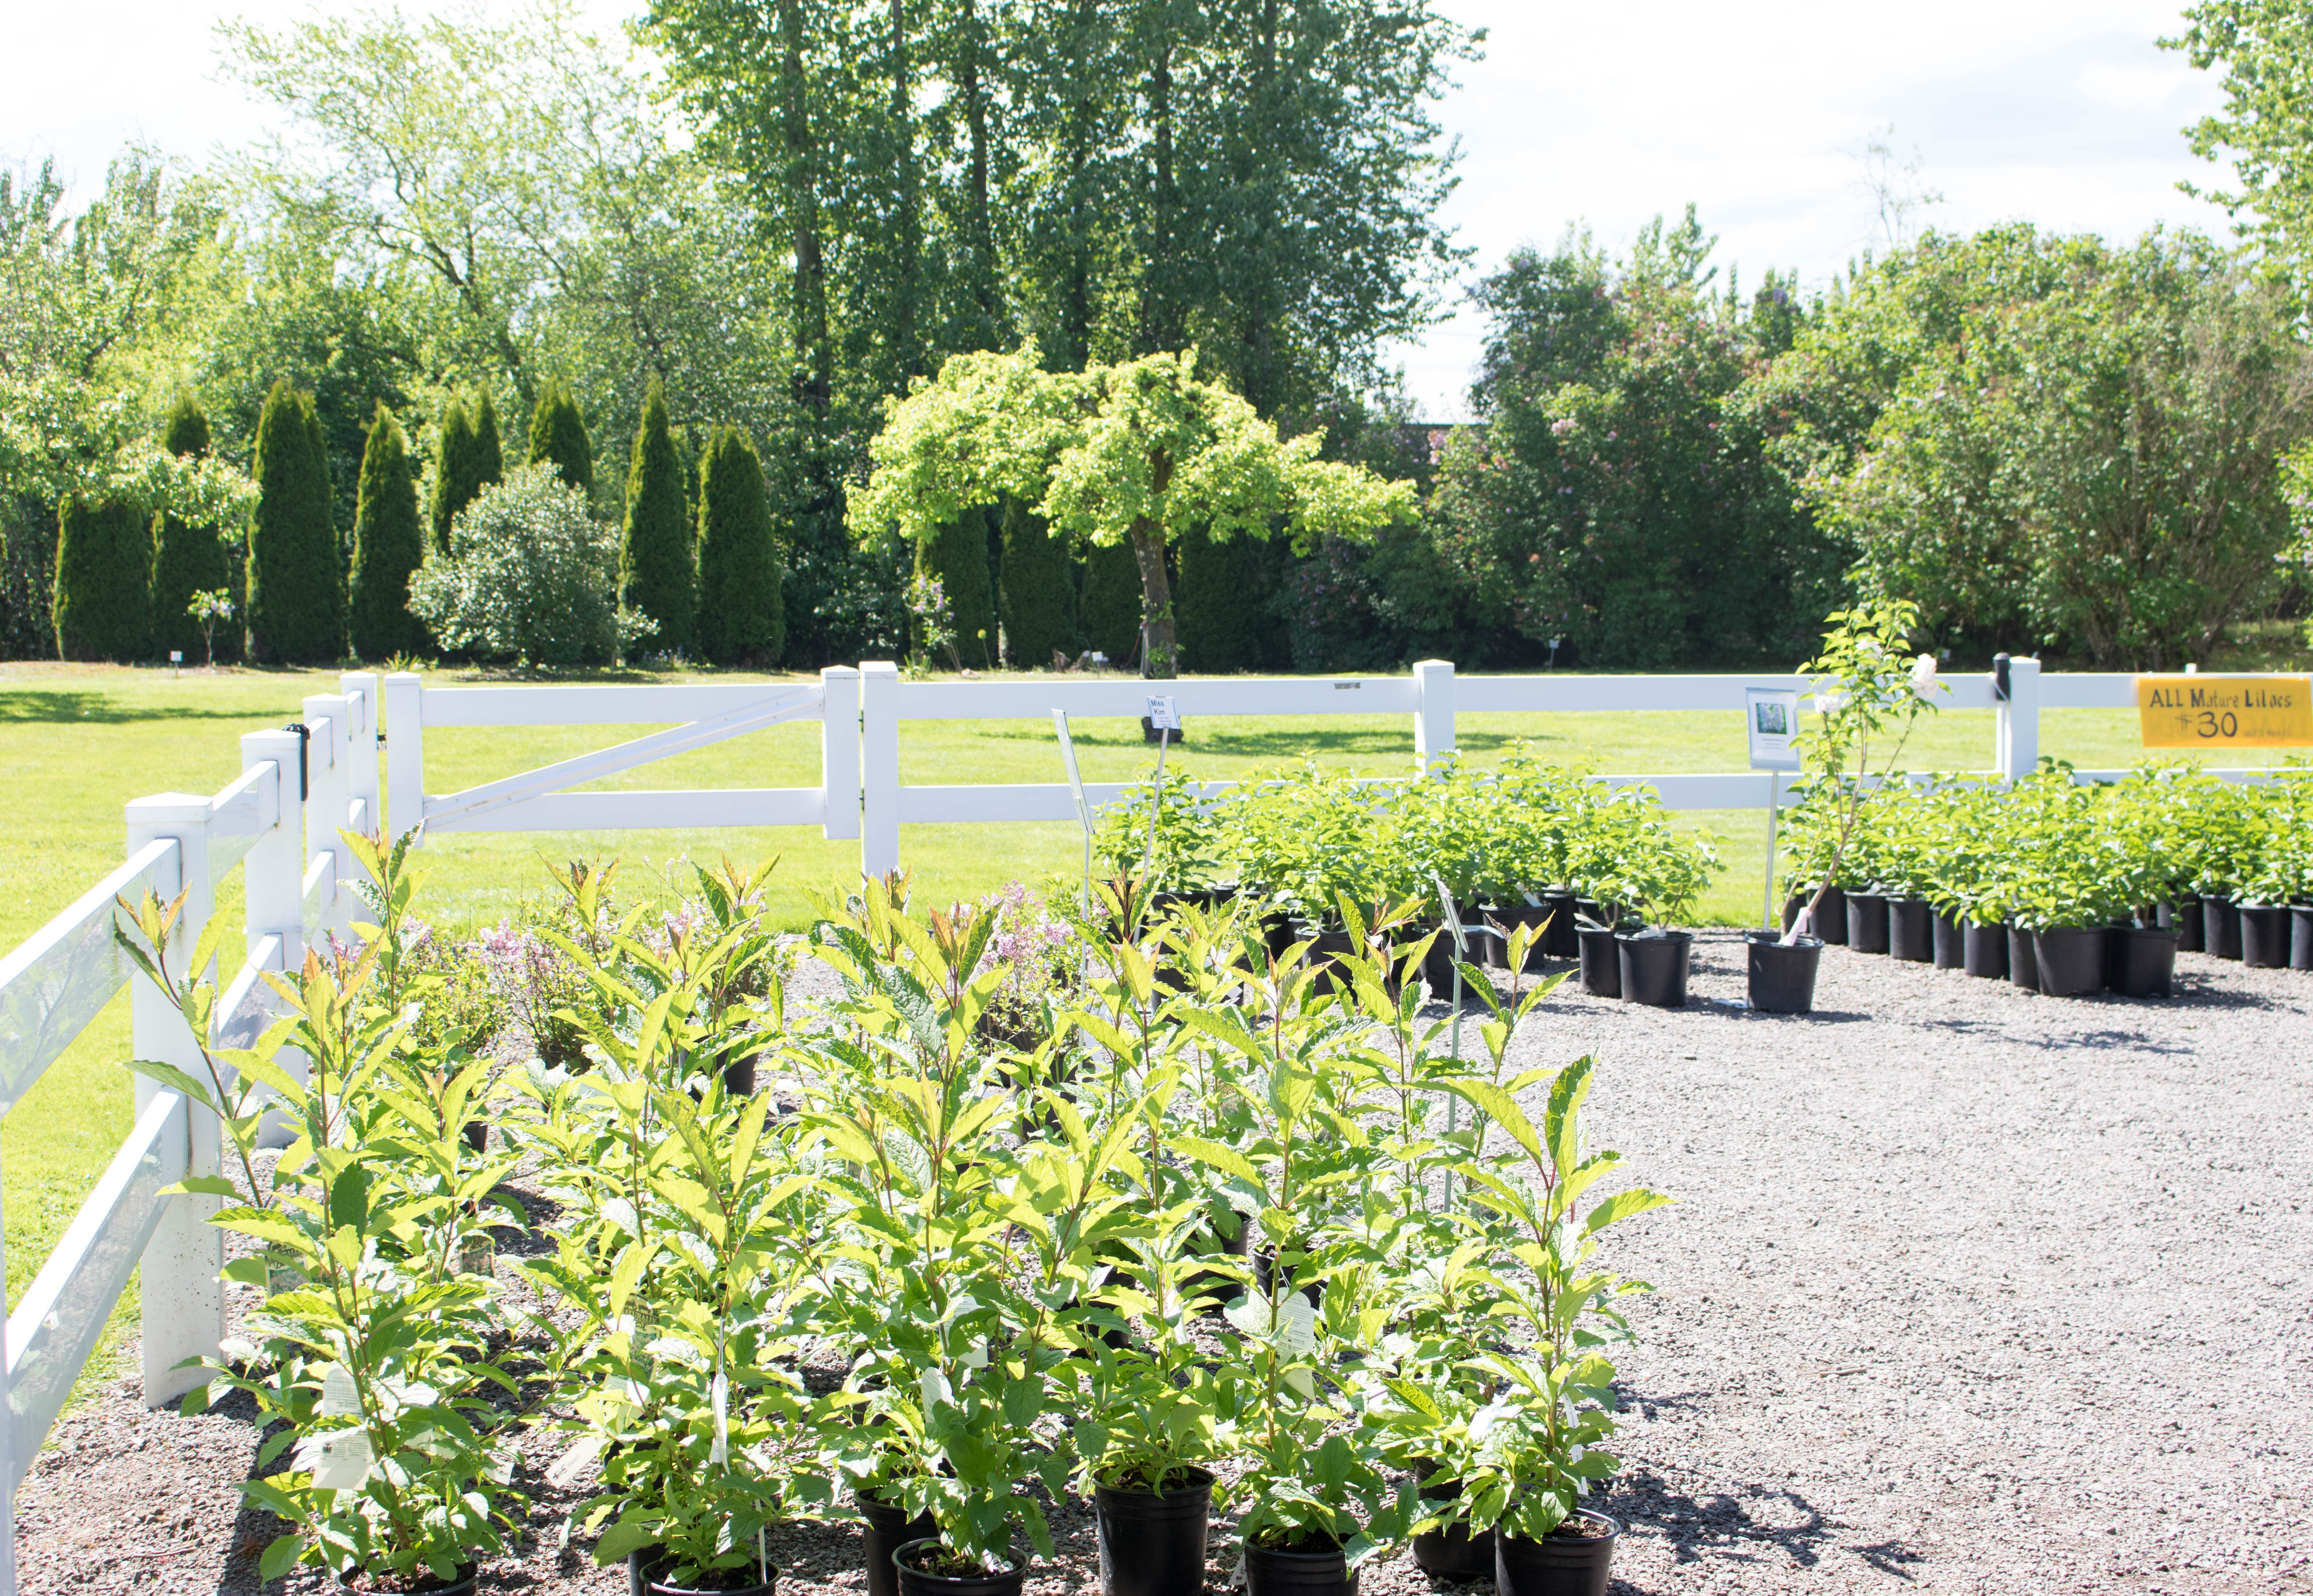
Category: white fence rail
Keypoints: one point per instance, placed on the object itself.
(280, 820)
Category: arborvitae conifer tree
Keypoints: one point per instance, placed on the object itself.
(297, 596)
(185, 560)
(489, 459)
(454, 482)
(655, 574)
(104, 555)
(1036, 597)
(1111, 610)
(741, 612)
(387, 547)
(558, 433)
(1222, 605)
(957, 555)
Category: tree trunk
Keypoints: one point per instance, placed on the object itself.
(1159, 651)
(982, 236)
(908, 356)
(814, 375)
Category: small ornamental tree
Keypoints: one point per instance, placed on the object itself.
(297, 596)
(1035, 594)
(1136, 454)
(741, 613)
(387, 547)
(558, 433)
(656, 578)
(189, 558)
(955, 555)
(455, 481)
(104, 555)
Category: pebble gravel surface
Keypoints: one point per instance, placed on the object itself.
(1966, 1290)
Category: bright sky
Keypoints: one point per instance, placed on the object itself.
(2058, 111)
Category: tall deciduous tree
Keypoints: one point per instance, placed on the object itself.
(188, 557)
(104, 554)
(558, 433)
(1137, 453)
(388, 545)
(742, 619)
(657, 577)
(296, 593)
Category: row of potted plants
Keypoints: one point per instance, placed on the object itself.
(2068, 886)
(1604, 873)
(1198, 1223)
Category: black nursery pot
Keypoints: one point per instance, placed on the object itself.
(2300, 936)
(468, 1580)
(2220, 928)
(1557, 1565)
(1830, 921)
(2023, 958)
(2265, 936)
(2184, 915)
(1654, 966)
(889, 1529)
(1912, 929)
(1867, 922)
(1983, 950)
(1453, 1552)
(1152, 1543)
(1559, 940)
(914, 1581)
(1602, 967)
(477, 1134)
(1951, 944)
(2072, 960)
(2141, 962)
(1326, 1572)
(643, 1567)
(1782, 979)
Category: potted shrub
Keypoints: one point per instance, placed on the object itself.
(2067, 882)
(1536, 1449)
(1665, 872)
(1869, 695)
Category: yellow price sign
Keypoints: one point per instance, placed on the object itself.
(2225, 711)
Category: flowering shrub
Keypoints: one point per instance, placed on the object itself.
(530, 575)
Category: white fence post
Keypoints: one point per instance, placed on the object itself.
(274, 888)
(182, 1306)
(328, 802)
(1433, 712)
(2018, 749)
(879, 768)
(405, 752)
(838, 752)
(361, 737)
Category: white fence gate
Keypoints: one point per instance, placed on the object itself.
(279, 821)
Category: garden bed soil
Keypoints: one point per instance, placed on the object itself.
(1966, 1289)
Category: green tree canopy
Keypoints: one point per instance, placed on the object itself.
(1138, 453)
(558, 433)
(656, 576)
(189, 558)
(104, 555)
(456, 480)
(387, 547)
(1035, 593)
(742, 617)
(296, 590)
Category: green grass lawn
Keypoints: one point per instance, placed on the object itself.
(76, 743)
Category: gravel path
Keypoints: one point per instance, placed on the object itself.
(1966, 1290)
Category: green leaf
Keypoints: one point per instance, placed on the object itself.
(280, 1558)
(1621, 1206)
(176, 1081)
(1227, 1159)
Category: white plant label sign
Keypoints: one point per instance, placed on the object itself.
(1163, 712)
(1068, 762)
(1771, 715)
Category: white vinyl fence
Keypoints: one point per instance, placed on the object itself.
(279, 821)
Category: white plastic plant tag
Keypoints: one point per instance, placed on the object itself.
(338, 1459)
(936, 1389)
(1163, 712)
(339, 1399)
(976, 1356)
(1250, 1315)
(1302, 1381)
(1297, 1327)
(575, 1462)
